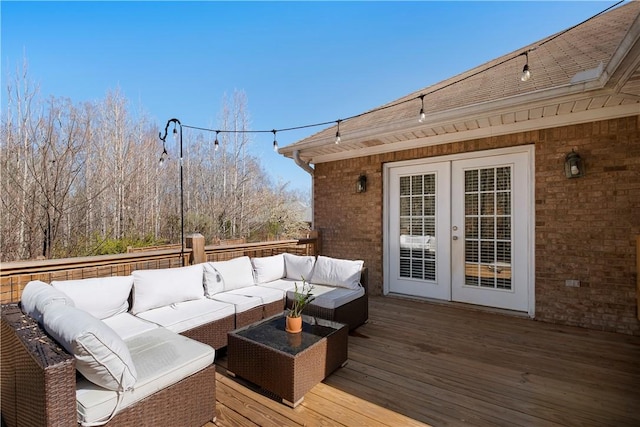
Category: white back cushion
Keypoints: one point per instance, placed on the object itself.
(157, 288)
(337, 272)
(101, 355)
(213, 282)
(102, 297)
(298, 266)
(37, 296)
(269, 268)
(232, 274)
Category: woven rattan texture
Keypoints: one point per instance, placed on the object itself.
(38, 376)
(213, 333)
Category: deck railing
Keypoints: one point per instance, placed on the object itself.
(15, 275)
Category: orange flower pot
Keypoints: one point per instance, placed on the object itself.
(293, 324)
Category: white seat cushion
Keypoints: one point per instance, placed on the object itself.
(332, 297)
(102, 297)
(283, 285)
(127, 325)
(267, 295)
(159, 288)
(268, 268)
(163, 357)
(101, 355)
(187, 315)
(242, 303)
(37, 296)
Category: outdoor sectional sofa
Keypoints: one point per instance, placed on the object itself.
(139, 349)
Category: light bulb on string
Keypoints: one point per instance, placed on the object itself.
(338, 139)
(526, 73)
(275, 143)
(216, 144)
(422, 115)
(164, 156)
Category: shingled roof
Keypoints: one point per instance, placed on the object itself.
(590, 72)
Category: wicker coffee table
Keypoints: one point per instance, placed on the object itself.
(286, 364)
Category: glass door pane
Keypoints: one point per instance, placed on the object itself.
(488, 223)
(417, 218)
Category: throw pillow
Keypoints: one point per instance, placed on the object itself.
(37, 296)
(337, 272)
(162, 287)
(269, 268)
(235, 273)
(298, 267)
(102, 297)
(101, 355)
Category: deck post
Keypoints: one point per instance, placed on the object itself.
(195, 242)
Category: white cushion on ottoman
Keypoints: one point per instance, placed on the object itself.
(163, 357)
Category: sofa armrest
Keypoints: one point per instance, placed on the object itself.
(364, 279)
(38, 376)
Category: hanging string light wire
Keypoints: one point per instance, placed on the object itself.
(412, 99)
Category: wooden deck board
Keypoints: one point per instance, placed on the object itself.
(418, 363)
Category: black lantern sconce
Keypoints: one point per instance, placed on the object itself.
(361, 184)
(573, 165)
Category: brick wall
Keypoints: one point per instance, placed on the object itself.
(586, 228)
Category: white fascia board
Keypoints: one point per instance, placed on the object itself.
(524, 126)
(529, 100)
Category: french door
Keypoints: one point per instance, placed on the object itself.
(459, 230)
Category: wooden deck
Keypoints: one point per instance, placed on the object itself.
(419, 362)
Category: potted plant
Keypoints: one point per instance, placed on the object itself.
(300, 300)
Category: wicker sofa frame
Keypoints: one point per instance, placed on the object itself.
(354, 313)
(39, 384)
(39, 376)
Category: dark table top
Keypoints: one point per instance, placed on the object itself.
(271, 333)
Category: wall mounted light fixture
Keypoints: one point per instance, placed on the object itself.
(361, 184)
(573, 165)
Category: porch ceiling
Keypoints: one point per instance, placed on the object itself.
(599, 80)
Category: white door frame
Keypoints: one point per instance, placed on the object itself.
(386, 236)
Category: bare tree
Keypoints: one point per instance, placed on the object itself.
(84, 179)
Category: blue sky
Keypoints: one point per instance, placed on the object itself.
(298, 63)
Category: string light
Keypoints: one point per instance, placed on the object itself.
(275, 143)
(526, 75)
(216, 144)
(164, 156)
(422, 115)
